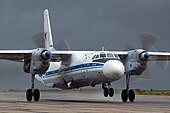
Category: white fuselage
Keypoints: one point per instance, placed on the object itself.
(82, 71)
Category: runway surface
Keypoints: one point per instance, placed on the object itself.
(90, 101)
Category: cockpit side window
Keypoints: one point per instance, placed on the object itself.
(97, 56)
(116, 56)
(102, 55)
(94, 57)
(109, 55)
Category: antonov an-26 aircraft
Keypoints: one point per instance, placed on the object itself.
(75, 69)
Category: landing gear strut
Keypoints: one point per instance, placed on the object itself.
(32, 92)
(107, 91)
(126, 93)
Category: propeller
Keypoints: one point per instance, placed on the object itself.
(147, 42)
(38, 40)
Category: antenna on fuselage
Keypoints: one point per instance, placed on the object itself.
(103, 49)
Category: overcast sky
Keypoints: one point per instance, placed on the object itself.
(86, 25)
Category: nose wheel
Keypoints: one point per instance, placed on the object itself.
(126, 93)
(107, 91)
(35, 93)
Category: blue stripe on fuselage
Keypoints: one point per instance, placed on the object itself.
(71, 69)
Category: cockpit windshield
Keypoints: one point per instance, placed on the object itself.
(105, 54)
(102, 55)
(109, 55)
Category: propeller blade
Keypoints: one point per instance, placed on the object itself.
(127, 47)
(148, 40)
(144, 77)
(38, 39)
(162, 64)
(62, 45)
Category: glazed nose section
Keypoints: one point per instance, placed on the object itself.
(113, 69)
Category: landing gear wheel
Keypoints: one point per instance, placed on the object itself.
(36, 95)
(29, 94)
(111, 92)
(105, 92)
(131, 95)
(124, 95)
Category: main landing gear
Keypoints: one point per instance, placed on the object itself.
(35, 93)
(126, 93)
(107, 91)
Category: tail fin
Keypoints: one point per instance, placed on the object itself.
(47, 31)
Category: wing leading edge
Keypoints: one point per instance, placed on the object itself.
(21, 55)
(153, 56)
(15, 55)
(159, 56)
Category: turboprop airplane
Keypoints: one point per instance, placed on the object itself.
(75, 69)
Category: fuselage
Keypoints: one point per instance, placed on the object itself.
(83, 69)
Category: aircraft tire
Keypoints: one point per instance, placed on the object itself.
(124, 95)
(111, 92)
(36, 95)
(131, 95)
(106, 92)
(29, 95)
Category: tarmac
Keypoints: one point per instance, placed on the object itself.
(85, 101)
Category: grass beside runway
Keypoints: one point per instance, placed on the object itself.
(152, 92)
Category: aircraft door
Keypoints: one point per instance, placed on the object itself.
(84, 70)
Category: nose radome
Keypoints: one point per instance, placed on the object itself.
(113, 69)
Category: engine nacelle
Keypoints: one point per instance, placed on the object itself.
(136, 62)
(39, 62)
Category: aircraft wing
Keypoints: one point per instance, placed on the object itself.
(15, 55)
(153, 56)
(64, 56)
(122, 54)
(19, 55)
(159, 56)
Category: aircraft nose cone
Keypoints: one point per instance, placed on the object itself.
(113, 69)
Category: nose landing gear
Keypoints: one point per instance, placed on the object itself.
(107, 91)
